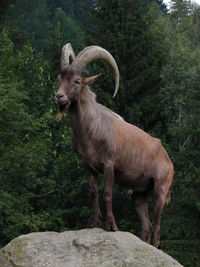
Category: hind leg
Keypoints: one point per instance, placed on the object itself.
(161, 193)
(141, 207)
(158, 207)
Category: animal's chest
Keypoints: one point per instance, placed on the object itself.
(89, 154)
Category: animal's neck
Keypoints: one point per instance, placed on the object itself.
(83, 113)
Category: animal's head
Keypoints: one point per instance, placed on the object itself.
(71, 82)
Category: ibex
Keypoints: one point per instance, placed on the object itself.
(110, 145)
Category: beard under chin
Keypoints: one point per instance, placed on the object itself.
(65, 107)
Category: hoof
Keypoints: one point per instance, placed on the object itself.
(94, 221)
(111, 224)
(156, 244)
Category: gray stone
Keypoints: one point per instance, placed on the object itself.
(84, 248)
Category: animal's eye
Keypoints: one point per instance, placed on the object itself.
(77, 82)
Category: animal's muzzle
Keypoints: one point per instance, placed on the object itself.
(61, 100)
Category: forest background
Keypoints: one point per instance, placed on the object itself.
(42, 182)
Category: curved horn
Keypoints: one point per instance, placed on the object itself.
(92, 53)
(67, 52)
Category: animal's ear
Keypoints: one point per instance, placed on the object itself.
(88, 80)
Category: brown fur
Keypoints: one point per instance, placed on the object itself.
(121, 151)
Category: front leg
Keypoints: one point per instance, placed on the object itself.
(96, 216)
(108, 184)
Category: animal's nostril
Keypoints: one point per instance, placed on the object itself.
(59, 96)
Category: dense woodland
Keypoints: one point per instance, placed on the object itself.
(42, 181)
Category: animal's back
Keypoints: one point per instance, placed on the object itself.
(129, 140)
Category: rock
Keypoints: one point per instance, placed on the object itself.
(84, 248)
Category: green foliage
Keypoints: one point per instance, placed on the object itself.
(29, 20)
(24, 153)
(42, 181)
(65, 29)
(180, 100)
